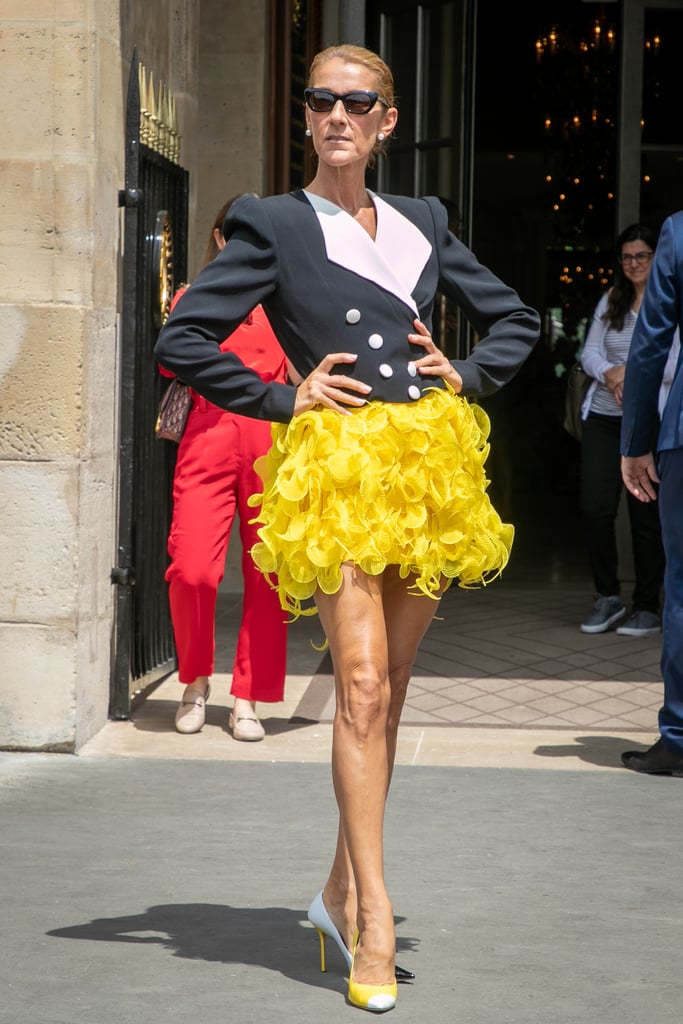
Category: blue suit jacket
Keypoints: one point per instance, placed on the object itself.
(319, 303)
(659, 316)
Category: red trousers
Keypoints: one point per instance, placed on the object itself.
(214, 476)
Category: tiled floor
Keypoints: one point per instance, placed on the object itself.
(508, 657)
(511, 655)
(503, 676)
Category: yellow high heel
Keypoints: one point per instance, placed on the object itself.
(377, 998)
(321, 936)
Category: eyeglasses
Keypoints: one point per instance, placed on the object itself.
(635, 257)
(323, 100)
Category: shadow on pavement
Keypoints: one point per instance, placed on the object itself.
(604, 751)
(271, 937)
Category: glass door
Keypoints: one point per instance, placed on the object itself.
(429, 47)
(661, 178)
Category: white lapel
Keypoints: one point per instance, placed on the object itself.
(394, 260)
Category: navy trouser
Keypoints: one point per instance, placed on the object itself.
(601, 487)
(670, 471)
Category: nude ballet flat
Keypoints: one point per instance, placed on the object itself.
(191, 713)
(377, 998)
(325, 927)
(245, 728)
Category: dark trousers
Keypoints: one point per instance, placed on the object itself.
(670, 466)
(601, 487)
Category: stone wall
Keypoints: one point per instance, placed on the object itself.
(63, 75)
(232, 108)
(58, 311)
(231, 132)
(63, 80)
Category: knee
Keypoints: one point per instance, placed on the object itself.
(365, 696)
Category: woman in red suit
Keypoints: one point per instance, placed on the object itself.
(214, 477)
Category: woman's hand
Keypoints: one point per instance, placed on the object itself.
(322, 387)
(614, 379)
(434, 363)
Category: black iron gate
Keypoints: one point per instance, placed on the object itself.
(155, 200)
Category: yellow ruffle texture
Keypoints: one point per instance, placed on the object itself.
(391, 484)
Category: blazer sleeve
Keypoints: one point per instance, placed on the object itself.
(593, 358)
(178, 295)
(221, 297)
(508, 329)
(652, 340)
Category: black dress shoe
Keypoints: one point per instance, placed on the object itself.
(658, 760)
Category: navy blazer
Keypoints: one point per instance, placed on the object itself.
(318, 302)
(658, 318)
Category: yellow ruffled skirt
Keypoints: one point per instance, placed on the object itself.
(391, 484)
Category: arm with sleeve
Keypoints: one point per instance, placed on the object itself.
(593, 357)
(220, 299)
(652, 340)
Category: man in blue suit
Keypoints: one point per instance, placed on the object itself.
(644, 439)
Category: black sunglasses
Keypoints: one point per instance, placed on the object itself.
(323, 100)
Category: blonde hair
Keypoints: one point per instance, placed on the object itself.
(358, 55)
(350, 54)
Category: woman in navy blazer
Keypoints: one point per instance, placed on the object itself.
(374, 490)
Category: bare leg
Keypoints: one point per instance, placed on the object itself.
(200, 686)
(407, 616)
(243, 708)
(373, 626)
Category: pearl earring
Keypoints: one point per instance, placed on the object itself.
(380, 136)
(308, 132)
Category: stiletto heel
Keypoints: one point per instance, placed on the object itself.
(324, 925)
(321, 936)
(377, 998)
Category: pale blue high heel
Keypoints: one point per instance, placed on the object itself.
(326, 928)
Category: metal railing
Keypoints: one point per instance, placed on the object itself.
(155, 202)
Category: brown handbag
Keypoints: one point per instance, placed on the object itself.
(578, 383)
(173, 409)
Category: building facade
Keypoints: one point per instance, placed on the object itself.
(232, 72)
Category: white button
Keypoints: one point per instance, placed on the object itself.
(385, 370)
(375, 341)
(412, 369)
(414, 391)
(353, 316)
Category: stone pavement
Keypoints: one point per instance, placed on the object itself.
(163, 891)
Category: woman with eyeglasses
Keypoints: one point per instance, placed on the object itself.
(374, 495)
(604, 359)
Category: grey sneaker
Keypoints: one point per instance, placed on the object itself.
(606, 611)
(641, 623)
